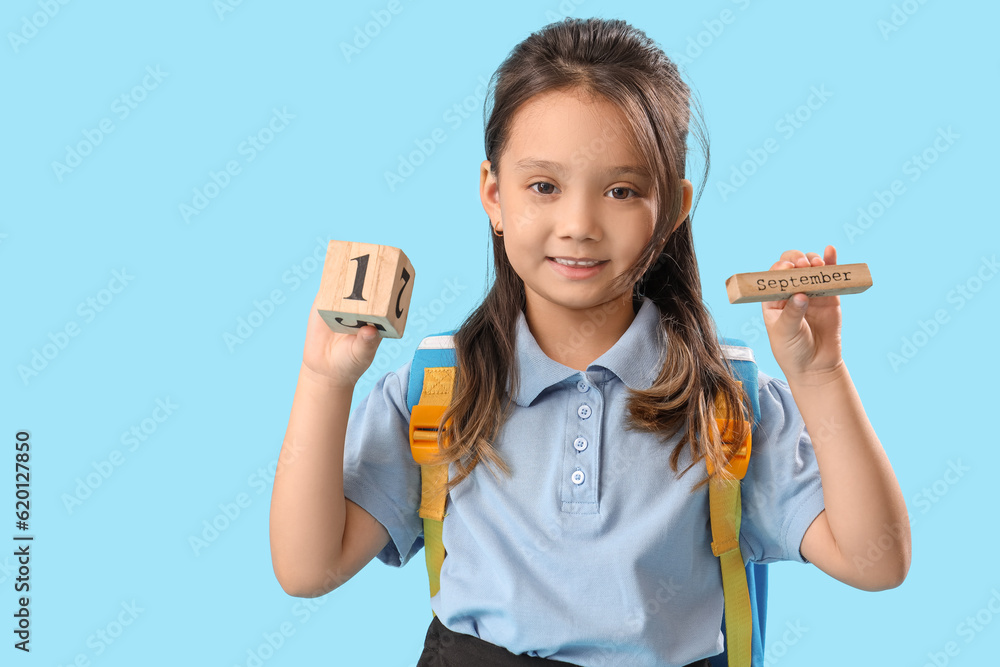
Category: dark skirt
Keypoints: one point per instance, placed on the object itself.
(445, 648)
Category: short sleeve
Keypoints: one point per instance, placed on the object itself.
(781, 493)
(380, 474)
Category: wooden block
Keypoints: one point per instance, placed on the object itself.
(811, 281)
(364, 283)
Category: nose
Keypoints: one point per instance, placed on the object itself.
(578, 218)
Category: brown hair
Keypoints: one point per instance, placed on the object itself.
(612, 59)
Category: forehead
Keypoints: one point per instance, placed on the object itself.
(573, 127)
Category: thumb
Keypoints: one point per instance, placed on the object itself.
(365, 345)
(791, 315)
(368, 334)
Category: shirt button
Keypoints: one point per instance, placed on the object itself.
(580, 444)
(583, 411)
(582, 386)
(577, 477)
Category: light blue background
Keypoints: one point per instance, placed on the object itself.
(322, 177)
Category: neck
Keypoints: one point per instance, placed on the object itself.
(577, 337)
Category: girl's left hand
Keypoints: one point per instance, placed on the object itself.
(805, 331)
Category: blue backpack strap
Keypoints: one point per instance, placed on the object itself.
(741, 357)
(433, 351)
(742, 360)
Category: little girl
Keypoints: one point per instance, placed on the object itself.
(589, 369)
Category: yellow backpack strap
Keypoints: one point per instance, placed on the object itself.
(425, 420)
(725, 510)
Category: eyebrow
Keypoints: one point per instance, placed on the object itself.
(531, 164)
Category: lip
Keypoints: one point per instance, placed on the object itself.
(573, 272)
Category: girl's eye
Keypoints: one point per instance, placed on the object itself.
(543, 184)
(622, 189)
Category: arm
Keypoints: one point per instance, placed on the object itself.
(319, 539)
(863, 536)
(308, 508)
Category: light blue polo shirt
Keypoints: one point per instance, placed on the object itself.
(593, 552)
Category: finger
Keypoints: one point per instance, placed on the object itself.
(792, 311)
(792, 256)
(367, 333)
(782, 264)
(777, 304)
(365, 344)
(786, 262)
(814, 259)
(830, 255)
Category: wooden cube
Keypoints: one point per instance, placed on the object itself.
(364, 283)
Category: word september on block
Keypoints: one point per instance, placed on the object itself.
(811, 281)
(365, 284)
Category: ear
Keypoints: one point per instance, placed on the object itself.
(489, 191)
(686, 205)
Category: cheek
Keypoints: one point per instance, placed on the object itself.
(524, 255)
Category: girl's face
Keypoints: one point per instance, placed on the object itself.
(571, 188)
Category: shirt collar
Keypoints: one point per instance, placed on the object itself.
(635, 358)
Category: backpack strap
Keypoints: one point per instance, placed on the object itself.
(432, 376)
(742, 626)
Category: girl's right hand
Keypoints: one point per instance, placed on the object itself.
(340, 359)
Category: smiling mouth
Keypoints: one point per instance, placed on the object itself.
(578, 263)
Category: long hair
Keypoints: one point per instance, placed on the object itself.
(614, 60)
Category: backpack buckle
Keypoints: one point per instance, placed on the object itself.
(425, 422)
